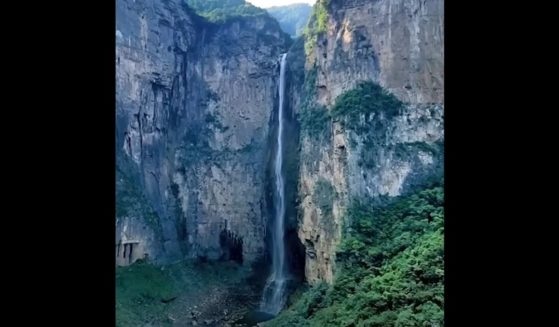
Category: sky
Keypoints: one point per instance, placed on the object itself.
(271, 3)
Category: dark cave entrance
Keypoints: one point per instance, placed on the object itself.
(125, 254)
(231, 246)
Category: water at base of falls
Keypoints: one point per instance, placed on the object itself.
(273, 298)
(253, 318)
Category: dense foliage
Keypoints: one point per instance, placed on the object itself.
(318, 24)
(366, 98)
(131, 202)
(221, 10)
(363, 100)
(390, 269)
(292, 18)
(314, 119)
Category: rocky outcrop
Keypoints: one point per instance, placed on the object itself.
(397, 44)
(194, 104)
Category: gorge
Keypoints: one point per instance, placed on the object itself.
(243, 152)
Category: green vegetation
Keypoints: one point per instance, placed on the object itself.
(366, 98)
(404, 150)
(373, 138)
(390, 269)
(354, 109)
(292, 18)
(309, 87)
(434, 149)
(131, 202)
(322, 15)
(315, 120)
(318, 24)
(146, 294)
(140, 289)
(222, 10)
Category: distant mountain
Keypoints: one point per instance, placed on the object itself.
(221, 10)
(292, 18)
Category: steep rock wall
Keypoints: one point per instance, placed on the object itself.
(397, 44)
(194, 103)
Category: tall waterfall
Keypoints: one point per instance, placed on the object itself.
(273, 298)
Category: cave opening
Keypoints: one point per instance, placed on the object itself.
(127, 252)
(231, 246)
(130, 248)
(118, 249)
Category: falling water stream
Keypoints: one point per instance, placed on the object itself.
(273, 298)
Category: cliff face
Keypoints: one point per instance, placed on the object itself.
(194, 105)
(397, 44)
(195, 125)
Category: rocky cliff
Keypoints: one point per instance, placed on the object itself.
(194, 106)
(398, 45)
(195, 124)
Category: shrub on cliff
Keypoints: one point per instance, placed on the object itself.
(365, 99)
(318, 24)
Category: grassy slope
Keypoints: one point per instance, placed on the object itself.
(140, 289)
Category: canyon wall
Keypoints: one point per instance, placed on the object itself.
(195, 125)
(397, 44)
(194, 106)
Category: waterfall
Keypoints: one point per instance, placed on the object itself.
(273, 298)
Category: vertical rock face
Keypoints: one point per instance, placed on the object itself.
(397, 44)
(194, 103)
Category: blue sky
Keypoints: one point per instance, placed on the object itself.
(270, 3)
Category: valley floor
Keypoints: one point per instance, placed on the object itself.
(184, 294)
